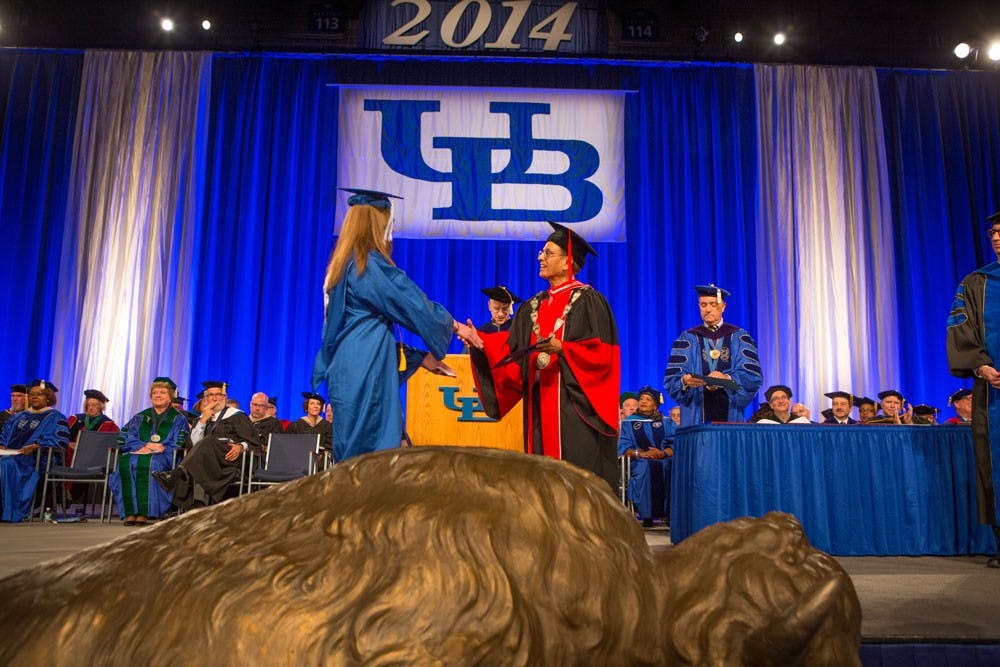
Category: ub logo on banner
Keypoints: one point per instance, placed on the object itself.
(486, 163)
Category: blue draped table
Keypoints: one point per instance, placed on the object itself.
(858, 490)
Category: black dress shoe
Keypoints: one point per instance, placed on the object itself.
(647, 523)
(163, 479)
(993, 562)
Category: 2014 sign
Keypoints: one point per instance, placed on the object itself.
(480, 25)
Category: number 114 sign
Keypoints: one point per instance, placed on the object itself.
(480, 25)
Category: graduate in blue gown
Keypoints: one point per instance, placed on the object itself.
(360, 359)
(152, 438)
(646, 438)
(714, 349)
(39, 426)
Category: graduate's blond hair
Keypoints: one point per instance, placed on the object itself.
(362, 232)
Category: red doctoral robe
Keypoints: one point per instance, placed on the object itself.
(571, 404)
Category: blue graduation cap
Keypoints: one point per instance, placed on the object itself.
(958, 395)
(769, 392)
(652, 393)
(309, 395)
(369, 198)
(96, 393)
(712, 290)
(44, 384)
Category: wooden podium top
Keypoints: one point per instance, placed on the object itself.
(442, 410)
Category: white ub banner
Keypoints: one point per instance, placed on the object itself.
(487, 163)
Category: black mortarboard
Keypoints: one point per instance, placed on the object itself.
(993, 219)
(890, 392)
(653, 392)
(178, 399)
(840, 394)
(44, 384)
(19, 389)
(369, 197)
(94, 393)
(863, 400)
(958, 395)
(167, 381)
(923, 409)
(313, 395)
(273, 400)
(501, 294)
(778, 387)
(712, 290)
(625, 396)
(214, 384)
(564, 237)
(827, 414)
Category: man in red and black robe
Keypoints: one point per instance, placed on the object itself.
(562, 359)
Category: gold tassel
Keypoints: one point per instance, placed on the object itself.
(402, 357)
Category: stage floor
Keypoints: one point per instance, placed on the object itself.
(903, 599)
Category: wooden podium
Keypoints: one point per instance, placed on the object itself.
(442, 410)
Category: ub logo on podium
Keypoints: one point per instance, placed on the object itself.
(486, 163)
(467, 405)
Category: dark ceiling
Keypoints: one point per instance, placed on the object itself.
(916, 33)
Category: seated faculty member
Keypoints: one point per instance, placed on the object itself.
(218, 441)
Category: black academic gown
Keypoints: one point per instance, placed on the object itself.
(324, 429)
(204, 474)
(971, 342)
(263, 428)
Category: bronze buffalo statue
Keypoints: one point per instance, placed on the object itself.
(434, 556)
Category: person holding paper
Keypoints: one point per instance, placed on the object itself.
(41, 425)
(561, 357)
(714, 370)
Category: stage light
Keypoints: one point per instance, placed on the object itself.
(206, 25)
(738, 37)
(166, 25)
(962, 50)
(994, 52)
(779, 38)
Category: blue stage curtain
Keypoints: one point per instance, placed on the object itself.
(942, 134)
(265, 225)
(38, 95)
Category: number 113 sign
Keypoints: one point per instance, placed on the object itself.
(545, 26)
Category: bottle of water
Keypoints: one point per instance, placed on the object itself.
(47, 516)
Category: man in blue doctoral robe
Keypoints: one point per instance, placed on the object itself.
(714, 371)
(973, 343)
(646, 438)
(40, 426)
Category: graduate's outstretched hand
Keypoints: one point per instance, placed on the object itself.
(467, 334)
(436, 366)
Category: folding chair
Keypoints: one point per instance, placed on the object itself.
(92, 462)
(624, 475)
(289, 456)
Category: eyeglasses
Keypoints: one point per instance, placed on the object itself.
(990, 233)
(548, 253)
(213, 394)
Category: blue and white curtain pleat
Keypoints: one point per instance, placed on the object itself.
(825, 265)
(124, 300)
